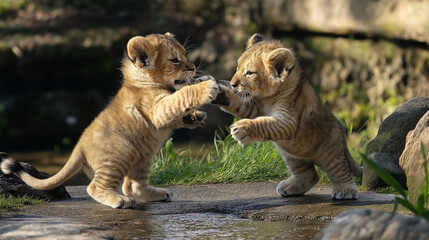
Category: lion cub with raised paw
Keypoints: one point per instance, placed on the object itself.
(118, 146)
(276, 102)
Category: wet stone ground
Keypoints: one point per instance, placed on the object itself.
(218, 211)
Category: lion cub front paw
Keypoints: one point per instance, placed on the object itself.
(203, 78)
(194, 119)
(209, 91)
(241, 131)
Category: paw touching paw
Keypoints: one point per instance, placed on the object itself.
(225, 93)
(209, 91)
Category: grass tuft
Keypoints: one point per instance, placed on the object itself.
(226, 161)
(10, 202)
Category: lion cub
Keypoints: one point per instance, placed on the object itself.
(118, 146)
(276, 102)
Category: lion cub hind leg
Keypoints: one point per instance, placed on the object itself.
(304, 177)
(136, 184)
(341, 177)
(108, 195)
(140, 189)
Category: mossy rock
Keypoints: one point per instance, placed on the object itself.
(391, 137)
(388, 162)
(394, 129)
(13, 185)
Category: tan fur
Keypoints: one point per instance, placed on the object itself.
(276, 102)
(118, 146)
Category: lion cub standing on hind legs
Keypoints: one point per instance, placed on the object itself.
(120, 143)
(275, 102)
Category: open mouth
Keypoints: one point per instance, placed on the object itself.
(177, 82)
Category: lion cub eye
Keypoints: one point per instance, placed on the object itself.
(175, 60)
(248, 73)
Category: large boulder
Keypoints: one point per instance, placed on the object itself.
(13, 185)
(391, 137)
(412, 159)
(377, 225)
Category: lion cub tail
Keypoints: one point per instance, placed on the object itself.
(9, 165)
(354, 168)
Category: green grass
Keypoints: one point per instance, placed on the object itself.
(226, 161)
(10, 202)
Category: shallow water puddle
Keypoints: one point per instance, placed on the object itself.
(214, 226)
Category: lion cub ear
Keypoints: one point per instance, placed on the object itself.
(141, 52)
(254, 39)
(279, 63)
(169, 34)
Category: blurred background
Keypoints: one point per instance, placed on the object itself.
(60, 59)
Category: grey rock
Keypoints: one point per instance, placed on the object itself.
(13, 185)
(388, 162)
(392, 134)
(394, 129)
(371, 224)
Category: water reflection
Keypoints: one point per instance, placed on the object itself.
(214, 226)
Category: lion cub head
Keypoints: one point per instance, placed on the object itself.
(157, 59)
(264, 69)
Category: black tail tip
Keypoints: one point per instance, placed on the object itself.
(3, 155)
(9, 165)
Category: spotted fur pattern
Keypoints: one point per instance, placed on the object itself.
(275, 102)
(118, 146)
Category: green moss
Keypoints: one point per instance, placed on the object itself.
(253, 28)
(389, 49)
(376, 143)
(320, 44)
(389, 29)
(10, 5)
